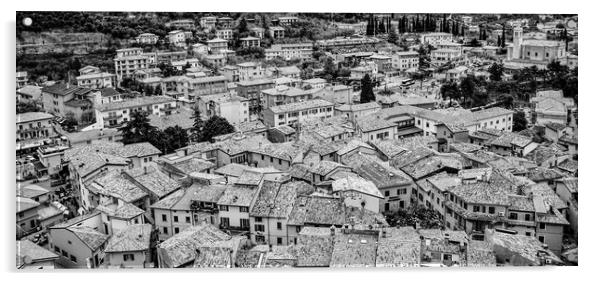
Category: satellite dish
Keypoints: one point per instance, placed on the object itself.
(27, 259)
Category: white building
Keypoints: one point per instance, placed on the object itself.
(406, 60)
(289, 51)
(233, 108)
(177, 38)
(96, 80)
(225, 34)
(128, 61)
(298, 112)
(250, 71)
(147, 38)
(115, 113)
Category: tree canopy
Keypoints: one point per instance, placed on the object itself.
(215, 126)
(367, 94)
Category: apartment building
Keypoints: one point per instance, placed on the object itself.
(97, 80)
(116, 113)
(283, 95)
(252, 90)
(250, 42)
(147, 38)
(250, 71)
(128, 61)
(289, 51)
(225, 34)
(297, 112)
(405, 60)
(233, 108)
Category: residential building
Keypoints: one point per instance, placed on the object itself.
(281, 95)
(250, 42)
(435, 38)
(116, 113)
(185, 208)
(34, 126)
(441, 57)
(227, 105)
(147, 38)
(403, 61)
(250, 71)
(187, 24)
(270, 213)
(297, 112)
(79, 241)
(130, 247)
(288, 20)
(96, 80)
(225, 34)
(32, 256)
(177, 38)
(217, 45)
(234, 206)
(301, 51)
(276, 32)
(128, 61)
(252, 90)
(22, 79)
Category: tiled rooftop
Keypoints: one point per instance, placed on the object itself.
(133, 238)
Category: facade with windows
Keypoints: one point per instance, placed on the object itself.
(298, 112)
(116, 113)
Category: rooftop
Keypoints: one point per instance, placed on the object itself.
(133, 238)
(298, 106)
(26, 248)
(135, 102)
(33, 116)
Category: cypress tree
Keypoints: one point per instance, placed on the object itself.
(503, 36)
(367, 95)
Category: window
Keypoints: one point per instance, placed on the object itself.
(527, 217)
(187, 219)
(513, 216)
(243, 209)
(164, 217)
(165, 230)
(175, 218)
(541, 239)
(279, 225)
(542, 226)
(128, 257)
(279, 241)
(475, 208)
(386, 206)
(260, 239)
(223, 208)
(176, 230)
(259, 228)
(73, 258)
(387, 193)
(258, 219)
(244, 223)
(398, 191)
(64, 253)
(225, 222)
(492, 210)
(528, 233)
